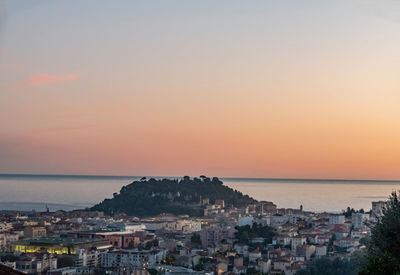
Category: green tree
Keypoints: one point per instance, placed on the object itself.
(171, 259)
(330, 267)
(384, 246)
(245, 233)
(195, 239)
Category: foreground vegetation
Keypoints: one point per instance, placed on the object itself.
(331, 267)
(382, 255)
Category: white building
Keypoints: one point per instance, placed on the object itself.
(358, 220)
(336, 219)
(279, 220)
(378, 207)
(7, 237)
(132, 258)
(246, 220)
(85, 258)
(320, 251)
(191, 226)
(241, 249)
(298, 240)
(254, 255)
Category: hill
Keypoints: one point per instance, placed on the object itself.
(151, 197)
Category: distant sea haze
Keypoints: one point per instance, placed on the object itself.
(68, 192)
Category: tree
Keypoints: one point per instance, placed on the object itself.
(131, 245)
(64, 261)
(171, 259)
(330, 267)
(195, 239)
(331, 242)
(247, 232)
(384, 247)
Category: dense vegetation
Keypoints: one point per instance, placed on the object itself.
(384, 247)
(331, 267)
(349, 211)
(246, 233)
(152, 197)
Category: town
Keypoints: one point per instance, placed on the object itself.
(256, 239)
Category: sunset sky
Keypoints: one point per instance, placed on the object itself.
(290, 89)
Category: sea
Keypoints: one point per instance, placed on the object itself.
(68, 192)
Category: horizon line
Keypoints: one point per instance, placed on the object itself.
(225, 177)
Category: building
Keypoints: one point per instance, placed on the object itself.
(378, 207)
(123, 239)
(266, 207)
(220, 203)
(212, 236)
(132, 258)
(358, 220)
(57, 245)
(336, 219)
(87, 258)
(264, 266)
(8, 237)
(246, 220)
(254, 255)
(320, 251)
(279, 220)
(36, 264)
(296, 241)
(72, 270)
(306, 251)
(34, 232)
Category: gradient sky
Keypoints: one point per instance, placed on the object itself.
(306, 89)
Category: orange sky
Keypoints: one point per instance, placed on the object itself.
(225, 89)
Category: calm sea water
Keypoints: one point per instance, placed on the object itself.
(27, 192)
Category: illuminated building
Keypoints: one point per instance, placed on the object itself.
(57, 245)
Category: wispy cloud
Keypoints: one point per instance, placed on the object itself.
(43, 79)
(66, 128)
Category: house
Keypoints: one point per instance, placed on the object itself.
(292, 269)
(305, 250)
(222, 267)
(336, 219)
(34, 231)
(239, 270)
(264, 266)
(283, 239)
(296, 241)
(254, 255)
(320, 251)
(358, 220)
(275, 254)
(241, 249)
(358, 233)
(238, 261)
(281, 263)
(346, 242)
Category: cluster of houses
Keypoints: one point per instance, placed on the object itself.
(88, 242)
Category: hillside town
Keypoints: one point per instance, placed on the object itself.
(256, 239)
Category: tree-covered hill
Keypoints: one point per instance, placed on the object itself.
(152, 197)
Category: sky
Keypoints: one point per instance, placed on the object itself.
(288, 89)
